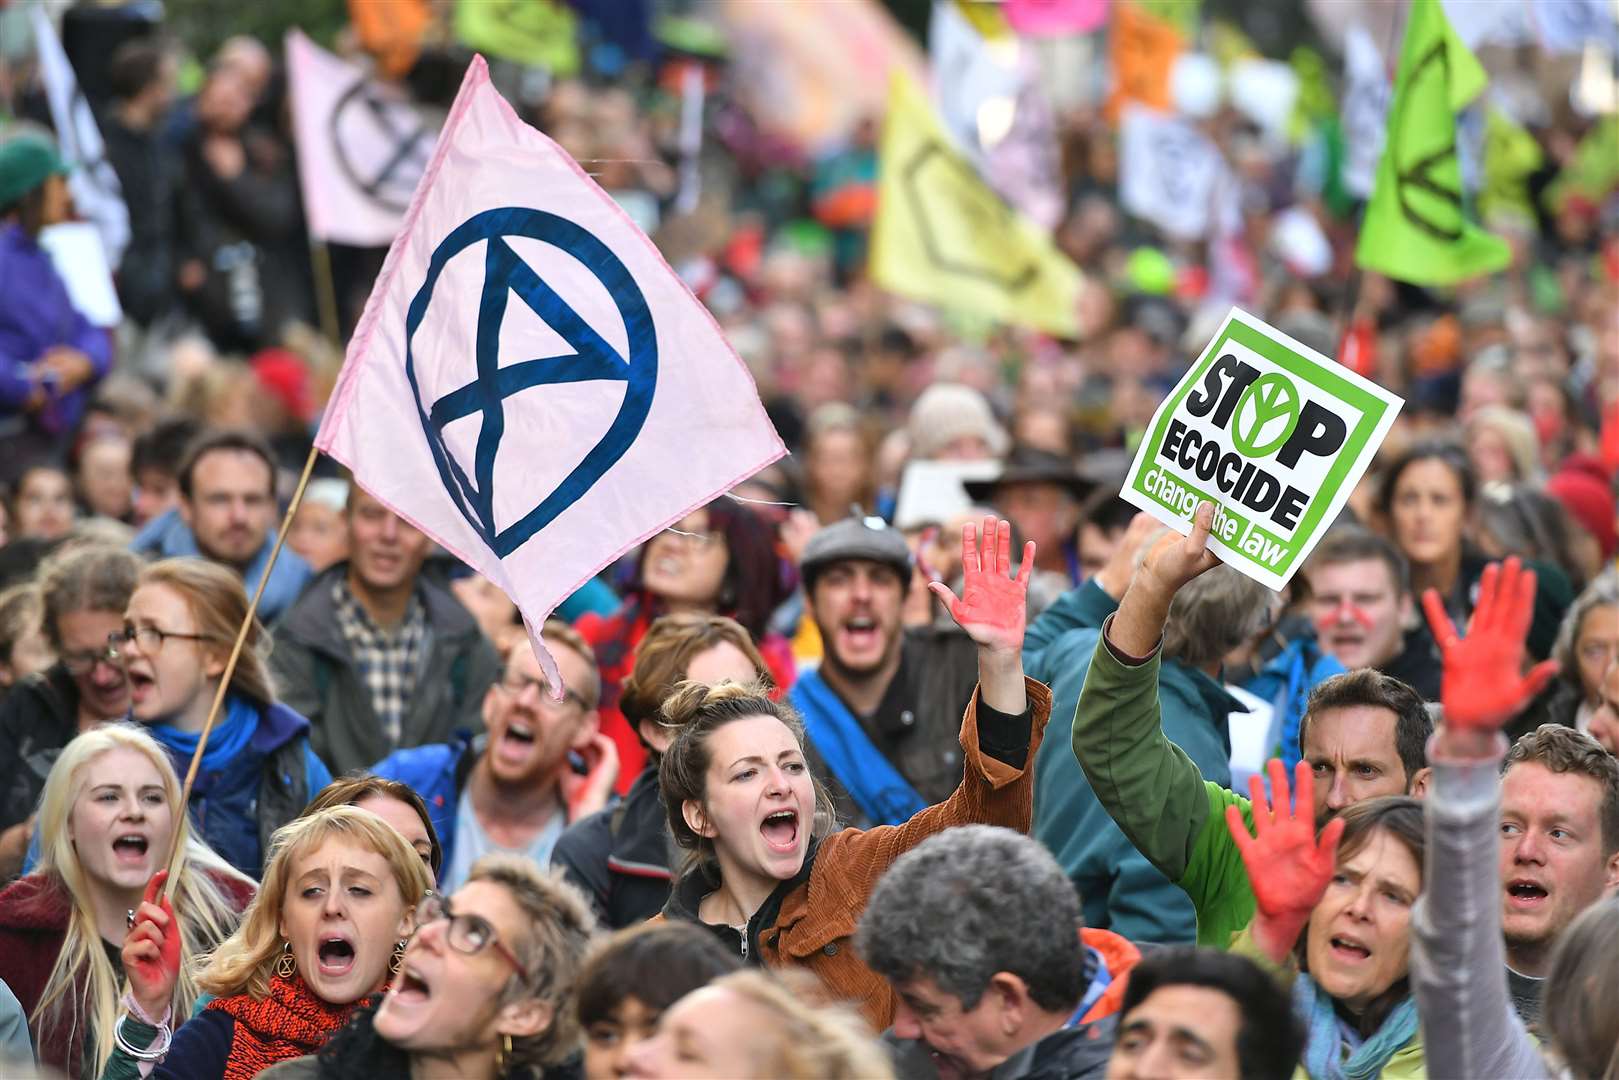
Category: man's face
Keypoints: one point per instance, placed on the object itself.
(856, 604)
(1552, 862)
(385, 552)
(1358, 612)
(1044, 513)
(1179, 1031)
(232, 505)
(1096, 547)
(1352, 752)
(156, 492)
(964, 1042)
(529, 733)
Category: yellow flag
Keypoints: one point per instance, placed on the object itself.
(943, 236)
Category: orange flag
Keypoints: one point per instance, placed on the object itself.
(1142, 50)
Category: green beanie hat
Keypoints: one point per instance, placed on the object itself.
(26, 161)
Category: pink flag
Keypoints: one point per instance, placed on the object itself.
(1052, 17)
(530, 384)
(362, 146)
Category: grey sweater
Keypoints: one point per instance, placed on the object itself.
(1458, 958)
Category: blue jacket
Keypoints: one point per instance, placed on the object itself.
(167, 536)
(438, 773)
(37, 314)
(1120, 890)
(1286, 683)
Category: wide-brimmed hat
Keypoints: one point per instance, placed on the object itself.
(1028, 465)
(27, 161)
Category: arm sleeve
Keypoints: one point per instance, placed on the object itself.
(293, 668)
(1084, 608)
(991, 792)
(198, 1052)
(1145, 906)
(1146, 783)
(1458, 959)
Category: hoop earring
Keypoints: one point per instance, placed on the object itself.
(397, 959)
(286, 965)
(502, 1054)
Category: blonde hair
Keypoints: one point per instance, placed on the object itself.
(218, 603)
(242, 963)
(815, 1039)
(206, 913)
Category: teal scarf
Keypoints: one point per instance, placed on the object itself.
(1323, 1049)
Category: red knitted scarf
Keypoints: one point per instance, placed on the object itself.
(290, 1023)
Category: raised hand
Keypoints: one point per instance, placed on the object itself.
(1174, 559)
(993, 605)
(1288, 865)
(588, 793)
(1483, 683)
(1129, 553)
(152, 951)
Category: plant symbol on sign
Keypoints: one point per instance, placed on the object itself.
(1266, 415)
(593, 360)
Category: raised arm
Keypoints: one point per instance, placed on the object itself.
(1458, 969)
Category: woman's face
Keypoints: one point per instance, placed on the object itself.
(104, 478)
(1492, 460)
(102, 684)
(446, 999)
(171, 678)
(343, 913)
(1596, 648)
(1428, 512)
(610, 1043)
(121, 822)
(712, 666)
(1359, 937)
(45, 508)
(760, 802)
(405, 821)
(839, 466)
(708, 1034)
(685, 565)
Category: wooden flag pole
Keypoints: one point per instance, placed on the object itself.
(320, 258)
(177, 842)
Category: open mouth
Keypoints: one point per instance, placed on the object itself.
(520, 733)
(140, 684)
(130, 848)
(861, 632)
(780, 830)
(1350, 949)
(1525, 893)
(336, 956)
(411, 986)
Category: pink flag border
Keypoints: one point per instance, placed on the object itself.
(354, 356)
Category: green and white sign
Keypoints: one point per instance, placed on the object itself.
(1271, 432)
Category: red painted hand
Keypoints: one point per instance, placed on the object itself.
(993, 605)
(1288, 865)
(1483, 683)
(152, 950)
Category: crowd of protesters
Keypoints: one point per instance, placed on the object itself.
(919, 754)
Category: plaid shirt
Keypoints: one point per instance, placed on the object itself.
(387, 662)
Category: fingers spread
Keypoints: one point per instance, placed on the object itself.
(1027, 569)
(969, 548)
(1304, 791)
(1239, 830)
(1280, 794)
(1444, 631)
(1261, 806)
(1003, 548)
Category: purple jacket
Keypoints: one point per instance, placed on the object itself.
(36, 314)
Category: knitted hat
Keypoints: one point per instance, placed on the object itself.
(27, 161)
(949, 411)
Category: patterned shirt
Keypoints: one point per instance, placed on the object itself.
(387, 661)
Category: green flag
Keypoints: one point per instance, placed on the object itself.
(540, 33)
(1415, 228)
(1593, 171)
(1511, 156)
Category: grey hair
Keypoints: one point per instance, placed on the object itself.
(970, 903)
(1213, 614)
(1602, 592)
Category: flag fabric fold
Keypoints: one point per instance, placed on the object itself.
(1416, 227)
(530, 384)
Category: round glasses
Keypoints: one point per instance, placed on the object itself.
(149, 638)
(469, 934)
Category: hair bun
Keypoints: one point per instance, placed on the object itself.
(689, 698)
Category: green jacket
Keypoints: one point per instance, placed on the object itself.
(1120, 889)
(1157, 795)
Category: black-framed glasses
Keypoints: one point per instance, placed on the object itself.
(514, 682)
(469, 934)
(82, 663)
(149, 638)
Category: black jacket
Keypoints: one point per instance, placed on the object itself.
(37, 719)
(315, 674)
(621, 856)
